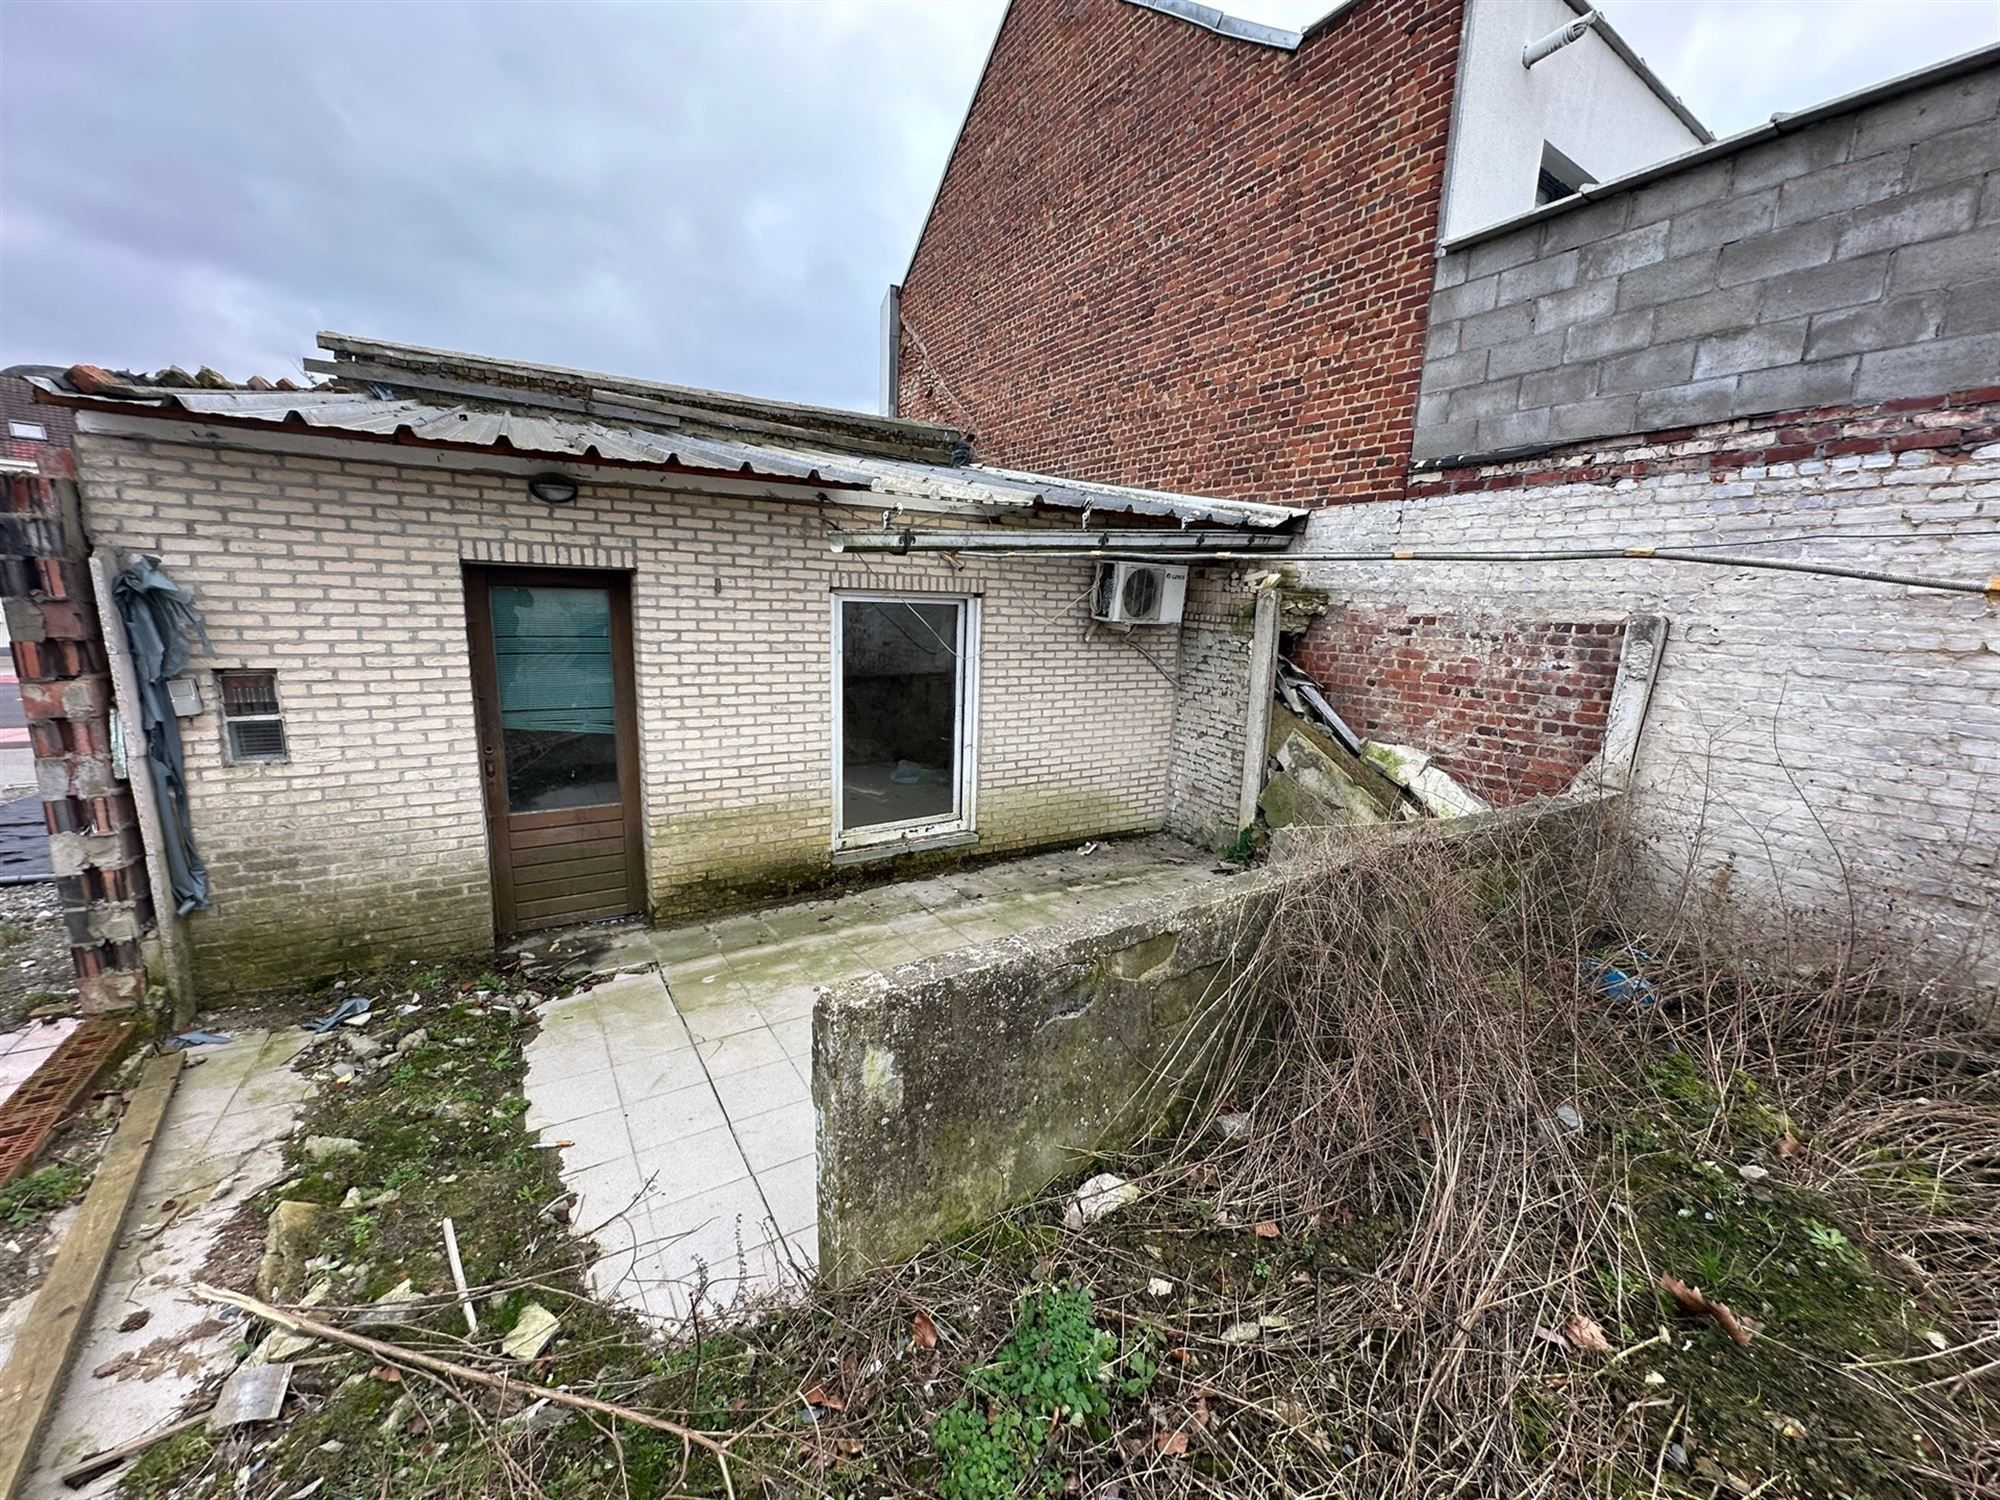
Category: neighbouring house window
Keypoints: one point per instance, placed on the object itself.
(251, 719)
(1559, 177)
(35, 432)
(904, 716)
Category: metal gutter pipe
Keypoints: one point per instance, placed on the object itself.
(1137, 541)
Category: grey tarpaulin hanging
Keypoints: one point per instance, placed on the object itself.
(159, 617)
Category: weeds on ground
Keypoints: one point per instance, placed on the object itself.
(28, 1200)
(1430, 1257)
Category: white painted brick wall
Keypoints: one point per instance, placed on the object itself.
(1809, 737)
(346, 577)
(1211, 708)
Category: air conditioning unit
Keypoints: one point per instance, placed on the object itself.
(1130, 593)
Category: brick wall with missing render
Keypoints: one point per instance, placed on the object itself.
(1512, 709)
(95, 848)
(1815, 745)
(1168, 257)
(1211, 708)
(346, 577)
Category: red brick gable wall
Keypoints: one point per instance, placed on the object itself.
(1167, 257)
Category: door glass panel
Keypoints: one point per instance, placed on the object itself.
(552, 652)
(899, 685)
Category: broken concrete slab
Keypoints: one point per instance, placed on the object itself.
(252, 1393)
(1328, 780)
(531, 1333)
(289, 1237)
(1285, 804)
(1428, 782)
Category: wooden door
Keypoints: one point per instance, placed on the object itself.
(558, 744)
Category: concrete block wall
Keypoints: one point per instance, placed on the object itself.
(345, 575)
(1819, 752)
(1856, 259)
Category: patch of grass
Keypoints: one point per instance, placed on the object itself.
(26, 1200)
(166, 1470)
(12, 933)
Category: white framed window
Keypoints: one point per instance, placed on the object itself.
(253, 725)
(34, 432)
(905, 719)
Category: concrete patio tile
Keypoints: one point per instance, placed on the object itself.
(671, 1035)
(788, 1004)
(610, 1190)
(796, 1037)
(777, 1136)
(593, 1139)
(734, 934)
(556, 1096)
(661, 1121)
(804, 1246)
(710, 1055)
(788, 923)
(756, 1091)
(791, 1192)
(568, 1051)
(695, 1165)
(712, 1229)
(705, 969)
(735, 1013)
(740, 1051)
(653, 1073)
(675, 945)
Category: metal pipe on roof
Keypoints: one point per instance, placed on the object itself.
(1558, 39)
(1140, 541)
(1990, 588)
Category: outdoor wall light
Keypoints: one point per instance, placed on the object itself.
(553, 489)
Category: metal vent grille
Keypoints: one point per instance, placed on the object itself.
(257, 739)
(252, 720)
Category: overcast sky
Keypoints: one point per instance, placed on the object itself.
(709, 194)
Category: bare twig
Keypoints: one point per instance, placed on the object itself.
(397, 1354)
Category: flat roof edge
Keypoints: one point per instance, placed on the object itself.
(1779, 124)
(1222, 24)
(1625, 54)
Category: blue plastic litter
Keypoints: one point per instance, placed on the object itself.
(196, 1039)
(353, 1005)
(1615, 984)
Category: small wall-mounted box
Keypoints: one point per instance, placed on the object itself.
(185, 695)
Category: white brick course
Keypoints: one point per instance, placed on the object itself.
(369, 843)
(1812, 742)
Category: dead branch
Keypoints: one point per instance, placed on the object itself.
(1693, 1299)
(717, 1444)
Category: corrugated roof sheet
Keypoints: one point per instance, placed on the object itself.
(498, 429)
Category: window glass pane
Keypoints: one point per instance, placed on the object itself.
(899, 711)
(552, 652)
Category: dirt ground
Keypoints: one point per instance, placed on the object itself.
(35, 968)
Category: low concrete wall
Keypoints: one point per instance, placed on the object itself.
(951, 1088)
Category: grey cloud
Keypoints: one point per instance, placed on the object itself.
(705, 193)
